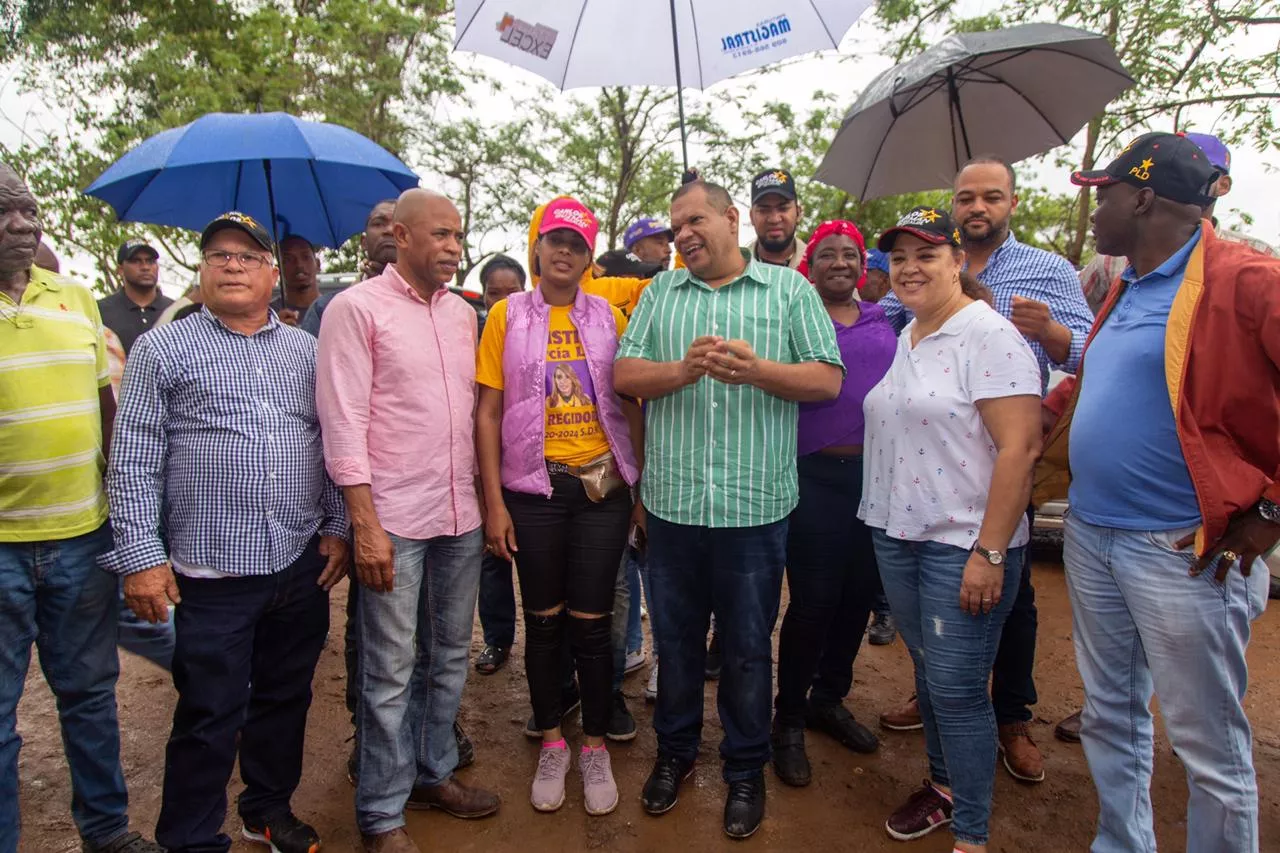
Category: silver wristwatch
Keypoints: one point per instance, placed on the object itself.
(995, 558)
(1270, 510)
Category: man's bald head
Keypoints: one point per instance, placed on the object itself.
(429, 238)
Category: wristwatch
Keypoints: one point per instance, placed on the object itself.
(995, 558)
(1270, 510)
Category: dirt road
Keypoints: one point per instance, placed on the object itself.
(844, 809)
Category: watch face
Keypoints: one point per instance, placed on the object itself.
(995, 558)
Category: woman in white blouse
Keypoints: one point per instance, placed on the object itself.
(953, 432)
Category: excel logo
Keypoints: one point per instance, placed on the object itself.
(530, 38)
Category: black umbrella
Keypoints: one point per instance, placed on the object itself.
(1012, 93)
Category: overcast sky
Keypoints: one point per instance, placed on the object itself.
(1256, 182)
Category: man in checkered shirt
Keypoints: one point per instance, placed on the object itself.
(217, 438)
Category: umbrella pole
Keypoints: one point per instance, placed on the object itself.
(953, 95)
(675, 44)
(271, 206)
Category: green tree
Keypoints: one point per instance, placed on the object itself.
(1182, 56)
(128, 69)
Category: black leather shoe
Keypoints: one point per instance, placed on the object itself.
(789, 759)
(662, 791)
(835, 720)
(466, 749)
(744, 807)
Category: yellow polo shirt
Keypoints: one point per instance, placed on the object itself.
(53, 360)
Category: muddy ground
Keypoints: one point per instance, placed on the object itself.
(843, 810)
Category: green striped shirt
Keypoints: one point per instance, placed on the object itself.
(720, 455)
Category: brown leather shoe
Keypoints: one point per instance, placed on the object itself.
(904, 718)
(1068, 730)
(395, 841)
(454, 798)
(1022, 757)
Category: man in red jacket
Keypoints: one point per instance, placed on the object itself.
(1171, 513)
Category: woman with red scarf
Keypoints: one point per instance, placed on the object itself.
(831, 565)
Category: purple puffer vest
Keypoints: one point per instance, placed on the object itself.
(524, 398)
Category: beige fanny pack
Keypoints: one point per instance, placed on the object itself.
(600, 477)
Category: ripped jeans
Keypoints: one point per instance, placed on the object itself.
(953, 653)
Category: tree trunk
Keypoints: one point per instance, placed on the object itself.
(1075, 245)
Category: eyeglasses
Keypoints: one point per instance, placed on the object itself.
(248, 260)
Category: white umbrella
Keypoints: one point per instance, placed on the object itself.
(677, 43)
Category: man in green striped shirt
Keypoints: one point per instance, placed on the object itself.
(721, 352)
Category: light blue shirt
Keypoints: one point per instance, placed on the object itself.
(1127, 467)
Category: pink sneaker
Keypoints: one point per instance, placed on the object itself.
(599, 791)
(547, 794)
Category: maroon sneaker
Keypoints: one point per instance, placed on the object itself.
(922, 813)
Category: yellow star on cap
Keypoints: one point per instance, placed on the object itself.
(1147, 164)
(930, 215)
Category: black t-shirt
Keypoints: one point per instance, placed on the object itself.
(127, 318)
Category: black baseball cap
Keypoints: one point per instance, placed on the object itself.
(242, 221)
(1170, 164)
(129, 248)
(931, 224)
(620, 263)
(776, 181)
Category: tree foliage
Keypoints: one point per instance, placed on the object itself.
(128, 69)
(1183, 57)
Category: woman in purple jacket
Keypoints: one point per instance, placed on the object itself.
(831, 564)
(557, 461)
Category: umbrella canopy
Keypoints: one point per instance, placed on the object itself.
(651, 42)
(1011, 93)
(312, 179)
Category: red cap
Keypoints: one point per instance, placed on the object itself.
(571, 214)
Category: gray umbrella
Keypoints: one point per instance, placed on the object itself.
(1013, 93)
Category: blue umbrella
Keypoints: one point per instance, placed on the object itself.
(312, 179)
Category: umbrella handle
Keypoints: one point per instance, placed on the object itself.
(271, 206)
(675, 46)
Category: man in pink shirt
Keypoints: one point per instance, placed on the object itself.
(395, 389)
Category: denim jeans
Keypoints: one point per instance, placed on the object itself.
(624, 605)
(1143, 626)
(646, 584)
(54, 594)
(740, 569)
(153, 642)
(245, 658)
(952, 652)
(833, 581)
(414, 643)
(635, 631)
(497, 602)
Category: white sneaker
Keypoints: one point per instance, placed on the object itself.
(635, 660)
(651, 689)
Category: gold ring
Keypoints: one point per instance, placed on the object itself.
(1230, 556)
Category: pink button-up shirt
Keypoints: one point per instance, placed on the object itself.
(396, 393)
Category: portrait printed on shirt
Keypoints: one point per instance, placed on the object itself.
(571, 396)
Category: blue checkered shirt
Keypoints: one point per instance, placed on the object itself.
(217, 435)
(1016, 269)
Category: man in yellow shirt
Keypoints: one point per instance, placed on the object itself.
(57, 406)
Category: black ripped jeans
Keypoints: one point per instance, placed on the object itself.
(569, 552)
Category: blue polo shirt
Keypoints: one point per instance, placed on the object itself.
(1127, 468)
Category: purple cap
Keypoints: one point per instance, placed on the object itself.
(1219, 154)
(642, 228)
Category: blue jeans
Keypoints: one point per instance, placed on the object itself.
(624, 605)
(635, 632)
(646, 584)
(414, 642)
(497, 602)
(740, 568)
(54, 594)
(153, 642)
(1144, 626)
(953, 659)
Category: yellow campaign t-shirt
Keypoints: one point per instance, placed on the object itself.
(621, 293)
(574, 435)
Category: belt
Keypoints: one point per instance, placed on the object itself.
(561, 468)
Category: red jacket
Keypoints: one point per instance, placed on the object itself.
(1222, 366)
